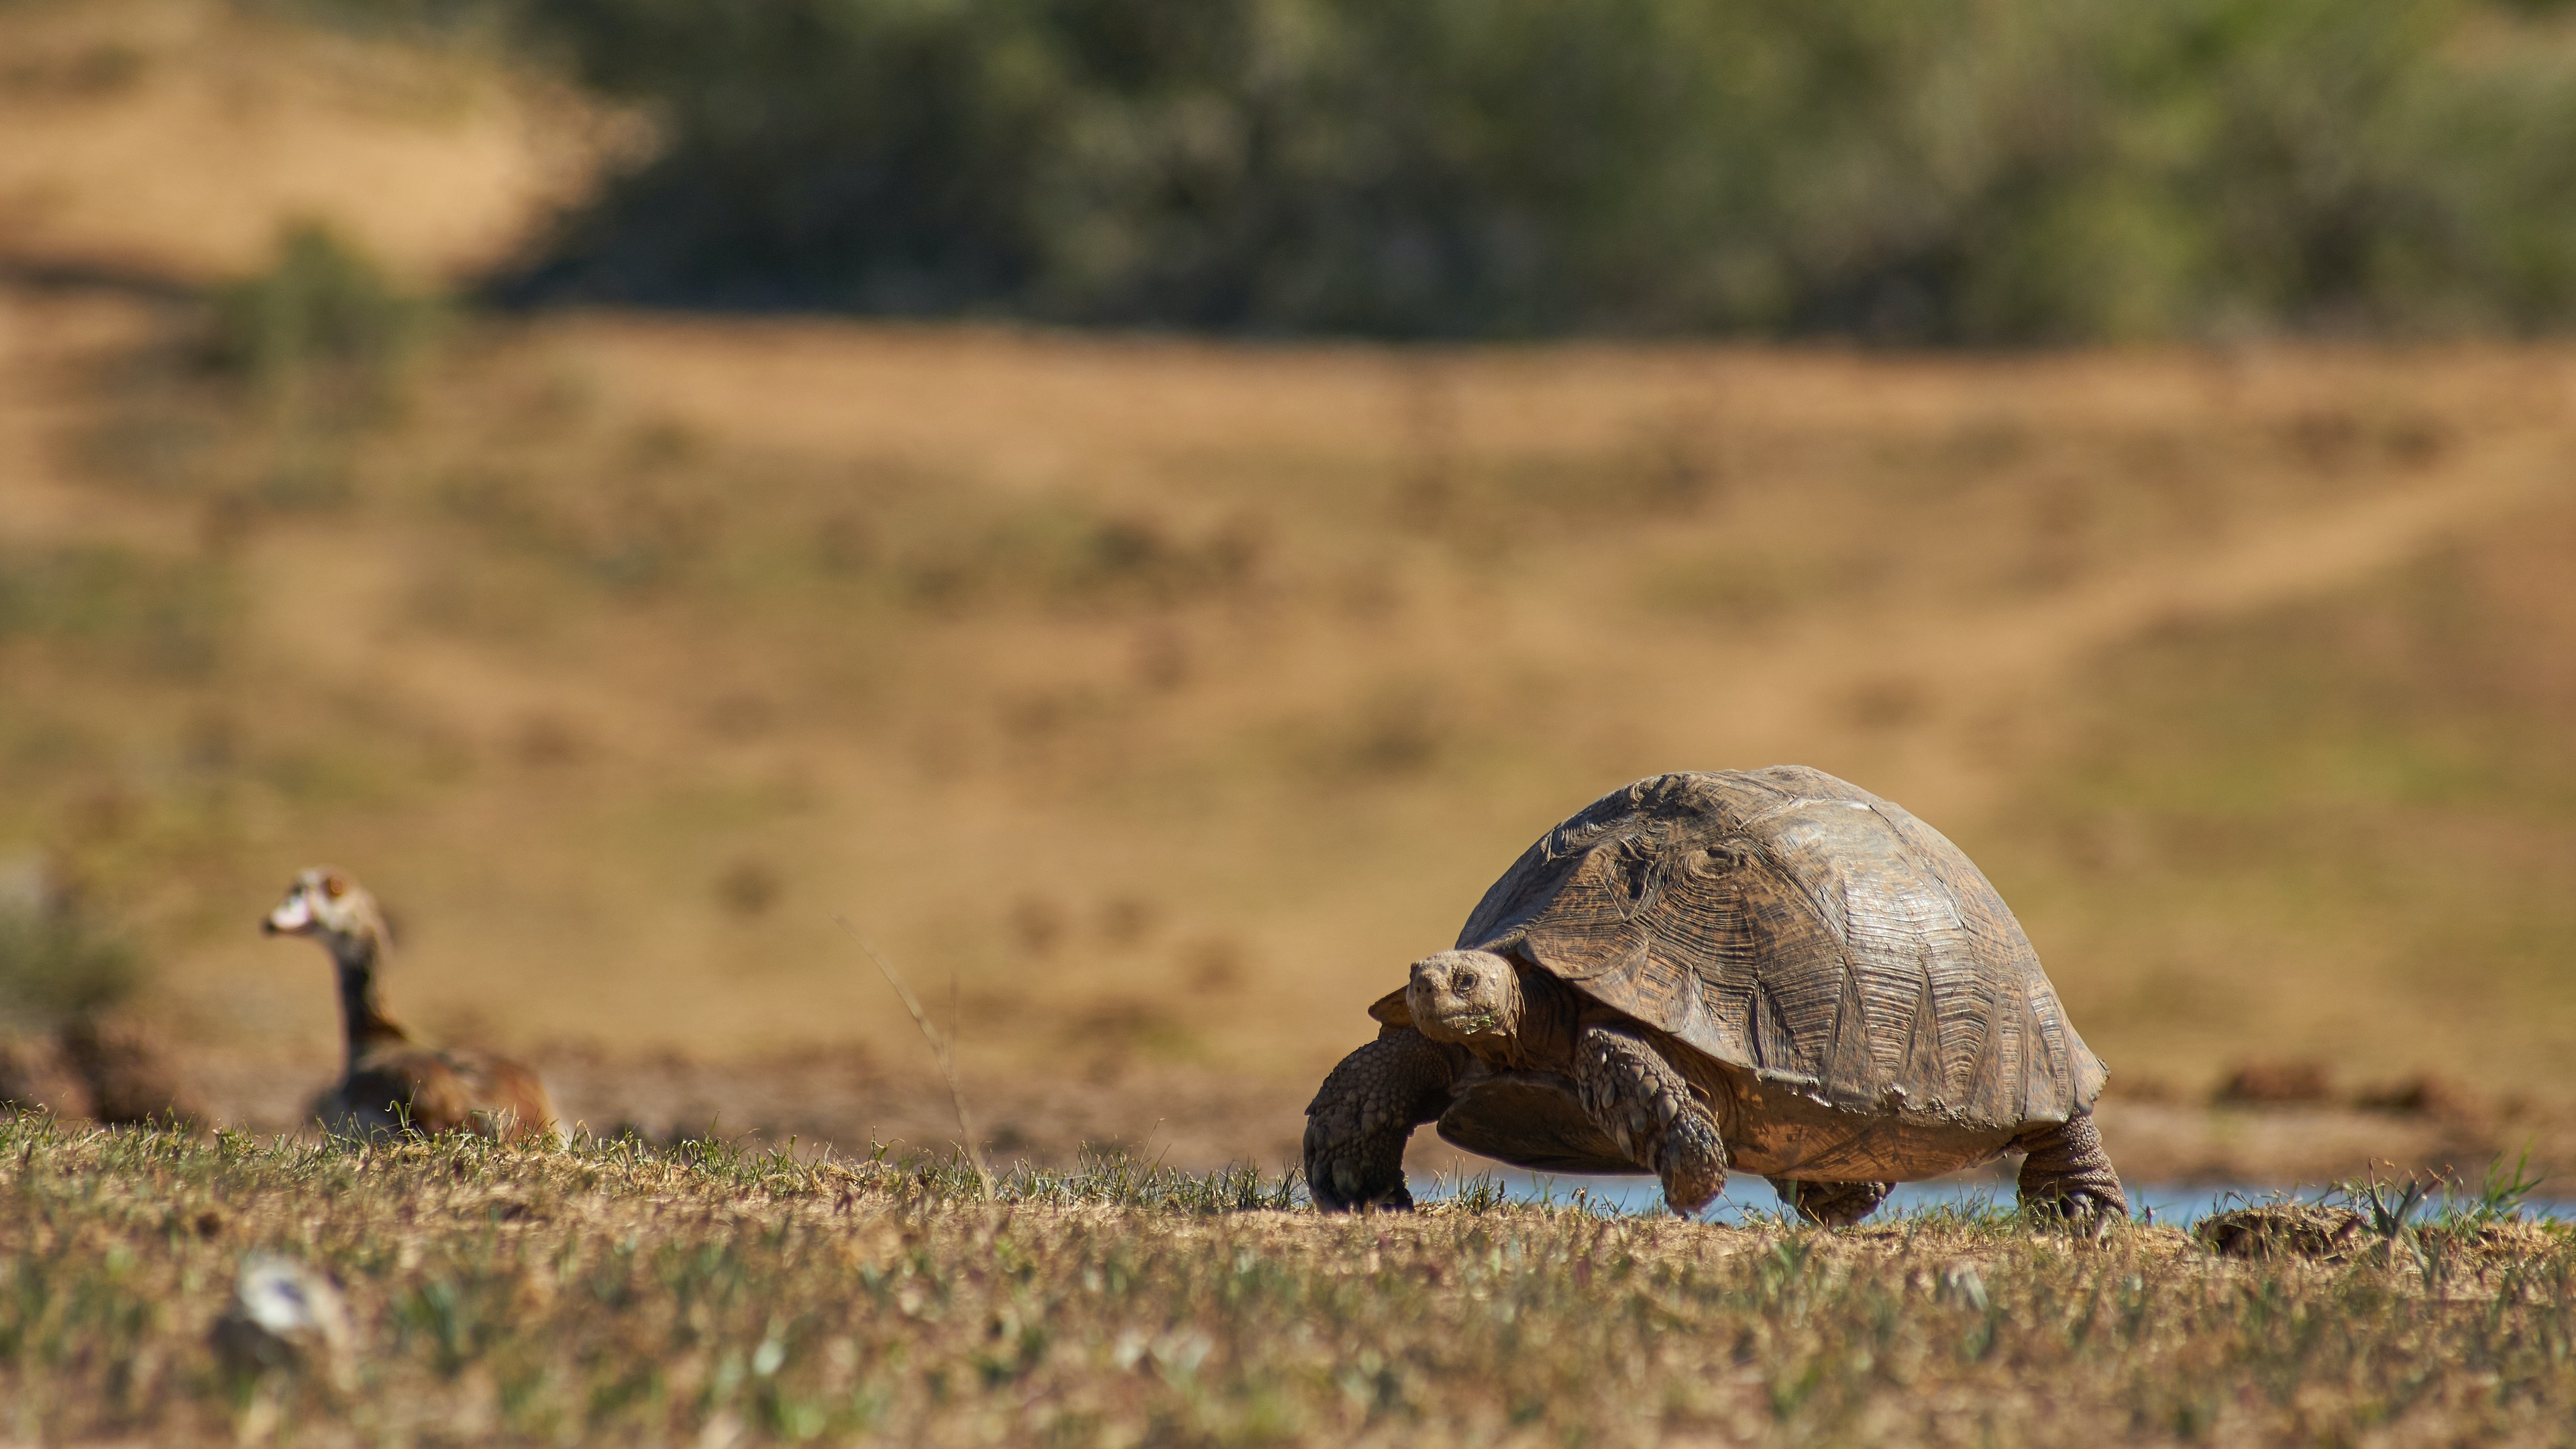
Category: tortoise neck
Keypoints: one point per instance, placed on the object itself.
(1550, 1014)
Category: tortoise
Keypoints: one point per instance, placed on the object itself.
(1771, 970)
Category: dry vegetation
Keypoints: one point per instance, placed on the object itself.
(1172, 696)
(700, 1296)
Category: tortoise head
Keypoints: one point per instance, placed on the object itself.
(330, 907)
(1466, 997)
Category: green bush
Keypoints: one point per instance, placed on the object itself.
(323, 326)
(1910, 169)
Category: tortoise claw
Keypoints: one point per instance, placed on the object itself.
(2087, 1212)
(1346, 1192)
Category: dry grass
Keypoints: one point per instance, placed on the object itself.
(612, 1293)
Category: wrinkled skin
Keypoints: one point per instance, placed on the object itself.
(2068, 1175)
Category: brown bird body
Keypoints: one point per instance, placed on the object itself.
(389, 1081)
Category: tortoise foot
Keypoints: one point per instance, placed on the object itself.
(1832, 1204)
(1692, 1164)
(2068, 1175)
(1359, 1120)
(1642, 1103)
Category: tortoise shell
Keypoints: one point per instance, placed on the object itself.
(1845, 971)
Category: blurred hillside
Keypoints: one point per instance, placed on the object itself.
(1942, 170)
(1170, 696)
(1173, 697)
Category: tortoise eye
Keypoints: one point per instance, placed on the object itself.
(334, 887)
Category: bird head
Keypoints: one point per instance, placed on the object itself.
(327, 905)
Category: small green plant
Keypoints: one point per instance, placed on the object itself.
(2501, 1195)
(2389, 1213)
(1482, 1193)
(323, 331)
(2390, 1208)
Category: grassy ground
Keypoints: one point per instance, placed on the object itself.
(705, 1297)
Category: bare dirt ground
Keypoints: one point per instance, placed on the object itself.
(1199, 1121)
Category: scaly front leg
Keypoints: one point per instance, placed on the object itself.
(1360, 1118)
(1636, 1097)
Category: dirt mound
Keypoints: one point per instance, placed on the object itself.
(171, 139)
(127, 1072)
(2275, 1084)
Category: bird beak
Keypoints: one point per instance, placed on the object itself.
(293, 916)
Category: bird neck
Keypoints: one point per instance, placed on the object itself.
(362, 1016)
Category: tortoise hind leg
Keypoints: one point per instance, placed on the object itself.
(1831, 1204)
(2068, 1174)
(1642, 1103)
(1361, 1116)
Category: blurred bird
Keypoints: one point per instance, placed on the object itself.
(390, 1081)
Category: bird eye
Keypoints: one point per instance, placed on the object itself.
(334, 887)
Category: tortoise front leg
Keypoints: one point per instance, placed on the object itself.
(2068, 1173)
(1367, 1107)
(1635, 1096)
(1831, 1204)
